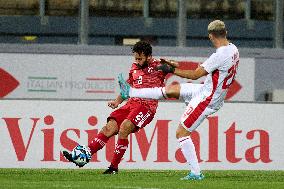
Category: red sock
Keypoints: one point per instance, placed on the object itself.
(98, 143)
(119, 151)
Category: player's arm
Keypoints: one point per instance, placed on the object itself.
(114, 103)
(191, 74)
(119, 99)
(169, 62)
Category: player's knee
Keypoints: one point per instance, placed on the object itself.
(123, 132)
(181, 132)
(109, 132)
(172, 91)
(178, 134)
(125, 129)
(110, 129)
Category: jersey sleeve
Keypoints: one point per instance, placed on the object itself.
(212, 63)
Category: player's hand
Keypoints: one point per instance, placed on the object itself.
(169, 62)
(113, 104)
(166, 68)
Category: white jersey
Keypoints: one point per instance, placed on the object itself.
(221, 67)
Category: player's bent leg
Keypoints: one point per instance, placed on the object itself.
(121, 146)
(189, 91)
(126, 128)
(110, 129)
(102, 138)
(151, 93)
(173, 91)
(124, 87)
(182, 132)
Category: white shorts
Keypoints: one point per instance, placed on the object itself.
(197, 106)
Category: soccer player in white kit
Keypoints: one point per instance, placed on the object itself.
(202, 99)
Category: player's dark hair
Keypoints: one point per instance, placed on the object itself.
(142, 47)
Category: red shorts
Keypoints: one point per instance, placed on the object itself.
(138, 114)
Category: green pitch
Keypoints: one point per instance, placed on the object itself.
(136, 179)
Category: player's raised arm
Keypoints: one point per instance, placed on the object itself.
(172, 63)
(114, 103)
(189, 74)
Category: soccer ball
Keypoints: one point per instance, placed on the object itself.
(81, 155)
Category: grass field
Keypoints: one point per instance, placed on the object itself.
(136, 179)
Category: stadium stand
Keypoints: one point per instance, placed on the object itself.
(106, 27)
(261, 9)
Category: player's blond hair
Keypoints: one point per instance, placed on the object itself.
(217, 28)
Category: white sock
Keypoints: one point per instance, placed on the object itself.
(152, 93)
(188, 150)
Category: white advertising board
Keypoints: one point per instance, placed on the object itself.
(241, 136)
(61, 76)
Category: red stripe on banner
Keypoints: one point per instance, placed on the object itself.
(202, 105)
(99, 79)
(99, 91)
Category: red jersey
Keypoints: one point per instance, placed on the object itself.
(147, 77)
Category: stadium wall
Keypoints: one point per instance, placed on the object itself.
(241, 136)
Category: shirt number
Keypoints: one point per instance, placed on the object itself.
(138, 117)
(231, 76)
(139, 81)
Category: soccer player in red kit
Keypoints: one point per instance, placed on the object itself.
(136, 113)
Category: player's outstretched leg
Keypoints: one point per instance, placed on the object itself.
(192, 176)
(124, 87)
